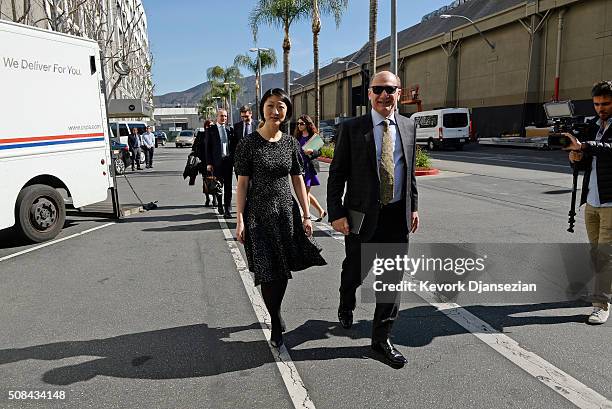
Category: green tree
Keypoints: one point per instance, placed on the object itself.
(218, 76)
(207, 108)
(319, 7)
(279, 13)
(268, 59)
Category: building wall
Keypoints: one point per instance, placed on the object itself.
(504, 88)
(428, 70)
(126, 19)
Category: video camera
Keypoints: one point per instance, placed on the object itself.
(564, 120)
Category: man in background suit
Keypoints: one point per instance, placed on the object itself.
(220, 147)
(374, 160)
(247, 125)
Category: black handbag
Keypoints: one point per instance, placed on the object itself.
(212, 185)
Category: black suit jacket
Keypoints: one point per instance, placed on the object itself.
(239, 128)
(603, 151)
(213, 145)
(354, 166)
(199, 146)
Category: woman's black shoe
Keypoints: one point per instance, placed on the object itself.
(282, 322)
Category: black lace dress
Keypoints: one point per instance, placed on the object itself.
(275, 242)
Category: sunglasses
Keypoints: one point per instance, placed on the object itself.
(301, 123)
(389, 89)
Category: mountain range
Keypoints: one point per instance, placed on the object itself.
(192, 96)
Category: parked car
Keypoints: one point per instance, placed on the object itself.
(160, 138)
(328, 133)
(121, 156)
(185, 138)
(443, 127)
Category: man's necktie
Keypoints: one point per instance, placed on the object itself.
(223, 141)
(387, 166)
(247, 129)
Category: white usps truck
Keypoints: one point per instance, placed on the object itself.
(54, 141)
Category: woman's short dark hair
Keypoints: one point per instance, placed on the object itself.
(279, 92)
(602, 89)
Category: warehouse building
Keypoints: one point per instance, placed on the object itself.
(539, 49)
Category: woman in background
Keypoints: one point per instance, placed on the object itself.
(304, 130)
(199, 147)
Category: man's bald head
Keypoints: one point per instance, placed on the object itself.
(383, 76)
(384, 92)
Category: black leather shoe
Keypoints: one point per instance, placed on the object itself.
(276, 338)
(227, 213)
(220, 209)
(346, 318)
(389, 352)
(207, 204)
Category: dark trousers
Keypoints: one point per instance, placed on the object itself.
(148, 155)
(391, 228)
(225, 174)
(135, 157)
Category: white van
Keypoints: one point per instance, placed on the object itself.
(54, 140)
(122, 129)
(443, 127)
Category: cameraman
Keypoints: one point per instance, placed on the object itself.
(595, 153)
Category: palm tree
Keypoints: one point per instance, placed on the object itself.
(218, 76)
(280, 13)
(267, 59)
(373, 16)
(334, 7)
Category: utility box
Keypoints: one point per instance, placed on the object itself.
(129, 108)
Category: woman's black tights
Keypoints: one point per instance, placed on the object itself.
(272, 294)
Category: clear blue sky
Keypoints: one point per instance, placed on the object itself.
(188, 36)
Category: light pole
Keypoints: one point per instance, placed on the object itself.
(259, 76)
(346, 63)
(492, 45)
(231, 109)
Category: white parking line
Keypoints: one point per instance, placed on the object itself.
(293, 382)
(565, 385)
(49, 243)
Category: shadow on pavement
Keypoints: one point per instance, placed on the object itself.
(193, 227)
(503, 157)
(198, 350)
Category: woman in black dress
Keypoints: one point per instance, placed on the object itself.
(276, 237)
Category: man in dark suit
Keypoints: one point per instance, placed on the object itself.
(374, 160)
(135, 144)
(247, 125)
(220, 147)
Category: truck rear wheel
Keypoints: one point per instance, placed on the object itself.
(40, 213)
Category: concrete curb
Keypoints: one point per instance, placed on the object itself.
(128, 211)
(427, 172)
(419, 172)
